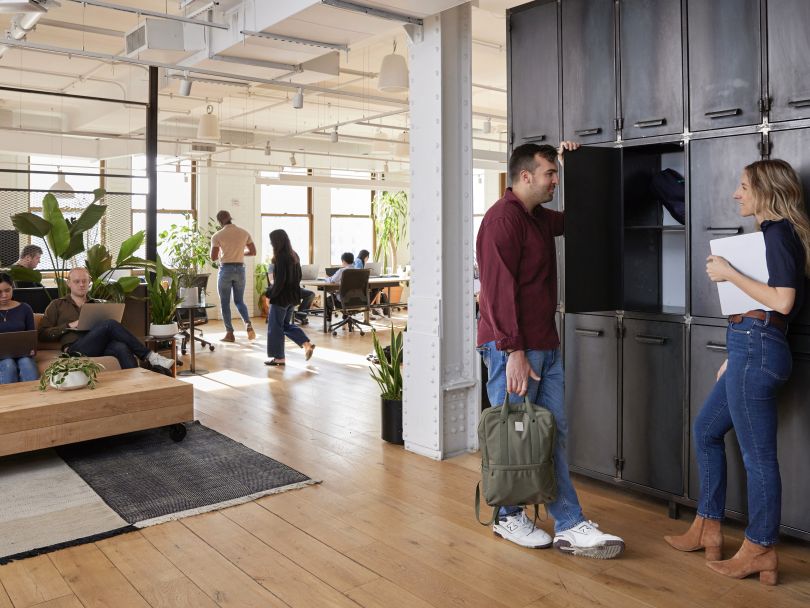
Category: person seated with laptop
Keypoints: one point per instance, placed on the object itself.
(360, 262)
(16, 319)
(346, 261)
(65, 321)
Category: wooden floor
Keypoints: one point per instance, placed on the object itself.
(385, 529)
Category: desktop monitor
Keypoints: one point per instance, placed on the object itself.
(330, 270)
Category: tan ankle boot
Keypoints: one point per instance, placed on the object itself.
(228, 337)
(750, 559)
(702, 534)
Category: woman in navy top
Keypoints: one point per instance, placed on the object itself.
(15, 316)
(759, 362)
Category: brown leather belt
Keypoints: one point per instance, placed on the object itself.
(777, 320)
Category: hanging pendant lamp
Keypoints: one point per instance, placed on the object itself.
(402, 147)
(61, 189)
(208, 128)
(393, 76)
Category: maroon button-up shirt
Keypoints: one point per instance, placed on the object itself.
(518, 271)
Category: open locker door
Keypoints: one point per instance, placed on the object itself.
(593, 230)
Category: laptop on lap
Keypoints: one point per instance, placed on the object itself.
(94, 313)
(16, 344)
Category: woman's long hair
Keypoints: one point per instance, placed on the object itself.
(778, 193)
(282, 248)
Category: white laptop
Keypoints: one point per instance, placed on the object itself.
(375, 268)
(93, 313)
(309, 272)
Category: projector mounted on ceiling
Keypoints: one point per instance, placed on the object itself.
(163, 40)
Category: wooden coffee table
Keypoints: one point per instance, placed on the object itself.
(123, 401)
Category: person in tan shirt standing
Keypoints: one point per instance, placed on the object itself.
(229, 246)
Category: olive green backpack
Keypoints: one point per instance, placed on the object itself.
(517, 457)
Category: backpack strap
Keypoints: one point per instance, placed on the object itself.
(478, 508)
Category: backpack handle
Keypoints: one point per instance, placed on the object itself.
(505, 407)
(478, 508)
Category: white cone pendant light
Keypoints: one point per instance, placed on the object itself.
(402, 147)
(393, 76)
(209, 125)
(62, 189)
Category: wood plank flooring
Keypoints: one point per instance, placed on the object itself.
(385, 529)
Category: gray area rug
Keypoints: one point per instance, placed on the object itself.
(87, 491)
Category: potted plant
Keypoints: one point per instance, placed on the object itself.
(260, 286)
(189, 247)
(387, 373)
(69, 373)
(390, 222)
(163, 301)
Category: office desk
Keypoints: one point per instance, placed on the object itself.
(373, 283)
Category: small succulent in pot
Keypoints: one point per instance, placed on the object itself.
(69, 372)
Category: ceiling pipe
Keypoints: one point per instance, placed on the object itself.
(148, 13)
(45, 48)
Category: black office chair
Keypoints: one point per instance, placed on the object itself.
(200, 317)
(353, 296)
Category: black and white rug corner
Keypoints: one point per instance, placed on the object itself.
(88, 491)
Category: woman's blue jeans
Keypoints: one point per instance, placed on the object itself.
(548, 392)
(22, 369)
(744, 398)
(279, 325)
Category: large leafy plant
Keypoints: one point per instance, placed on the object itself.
(387, 373)
(188, 246)
(64, 238)
(163, 294)
(390, 223)
(101, 265)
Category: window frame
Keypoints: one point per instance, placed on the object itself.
(309, 215)
(370, 216)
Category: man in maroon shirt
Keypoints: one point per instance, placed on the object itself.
(517, 336)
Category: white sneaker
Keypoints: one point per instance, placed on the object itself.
(521, 530)
(587, 540)
(159, 360)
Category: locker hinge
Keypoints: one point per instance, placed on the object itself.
(619, 462)
(765, 145)
(620, 330)
(618, 123)
(764, 104)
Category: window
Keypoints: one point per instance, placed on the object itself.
(40, 183)
(287, 208)
(176, 192)
(352, 227)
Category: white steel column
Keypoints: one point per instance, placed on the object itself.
(441, 401)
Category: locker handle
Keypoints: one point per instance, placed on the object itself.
(589, 333)
(724, 113)
(583, 132)
(650, 339)
(721, 230)
(652, 122)
(799, 103)
(716, 347)
(530, 138)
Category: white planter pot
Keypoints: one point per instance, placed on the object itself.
(163, 331)
(74, 380)
(190, 295)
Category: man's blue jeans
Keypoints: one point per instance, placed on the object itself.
(759, 362)
(21, 369)
(231, 278)
(110, 338)
(549, 393)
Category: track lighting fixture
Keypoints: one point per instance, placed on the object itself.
(293, 162)
(268, 150)
(333, 136)
(185, 86)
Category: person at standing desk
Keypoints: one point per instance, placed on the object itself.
(518, 341)
(759, 363)
(15, 316)
(29, 258)
(229, 246)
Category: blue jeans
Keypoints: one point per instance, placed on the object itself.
(231, 278)
(548, 392)
(279, 325)
(111, 339)
(759, 362)
(21, 369)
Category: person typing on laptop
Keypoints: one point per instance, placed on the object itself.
(14, 317)
(108, 337)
